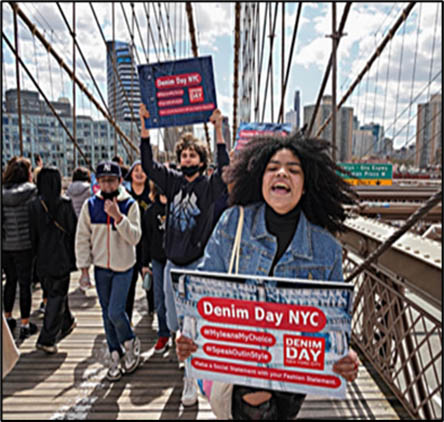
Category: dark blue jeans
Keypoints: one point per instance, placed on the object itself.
(159, 298)
(112, 289)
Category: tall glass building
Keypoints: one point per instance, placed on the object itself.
(122, 82)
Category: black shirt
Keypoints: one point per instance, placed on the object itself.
(283, 226)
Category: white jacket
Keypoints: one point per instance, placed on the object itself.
(101, 242)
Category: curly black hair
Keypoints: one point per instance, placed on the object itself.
(187, 140)
(326, 192)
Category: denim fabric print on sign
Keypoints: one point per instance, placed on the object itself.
(184, 211)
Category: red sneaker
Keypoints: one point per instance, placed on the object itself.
(161, 345)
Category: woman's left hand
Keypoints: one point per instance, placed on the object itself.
(348, 366)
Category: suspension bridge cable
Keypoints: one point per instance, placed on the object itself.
(45, 98)
(83, 57)
(399, 76)
(270, 59)
(236, 67)
(162, 21)
(192, 31)
(409, 223)
(368, 65)
(414, 65)
(150, 31)
(116, 73)
(328, 68)
(290, 59)
(131, 34)
(264, 26)
(159, 32)
(413, 101)
(138, 30)
(49, 48)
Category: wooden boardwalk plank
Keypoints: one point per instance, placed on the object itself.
(72, 383)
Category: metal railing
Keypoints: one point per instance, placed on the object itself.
(400, 334)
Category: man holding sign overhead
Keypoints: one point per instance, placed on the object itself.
(191, 197)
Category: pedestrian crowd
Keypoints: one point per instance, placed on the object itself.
(144, 220)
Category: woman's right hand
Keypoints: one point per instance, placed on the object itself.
(146, 270)
(184, 346)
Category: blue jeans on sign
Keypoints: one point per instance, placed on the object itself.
(159, 298)
(112, 289)
(171, 315)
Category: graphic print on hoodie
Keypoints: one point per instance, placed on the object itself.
(184, 211)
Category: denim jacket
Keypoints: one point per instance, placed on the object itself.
(313, 252)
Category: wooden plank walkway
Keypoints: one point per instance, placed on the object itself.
(72, 384)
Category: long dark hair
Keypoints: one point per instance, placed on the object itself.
(49, 185)
(325, 191)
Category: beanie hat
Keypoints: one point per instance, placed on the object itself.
(108, 168)
(128, 175)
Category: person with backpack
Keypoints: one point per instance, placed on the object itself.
(53, 225)
(191, 200)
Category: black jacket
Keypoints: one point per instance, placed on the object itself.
(190, 214)
(15, 218)
(153, 232)
(52, 246)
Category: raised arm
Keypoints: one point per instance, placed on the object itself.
(157, 172)
(218, 186)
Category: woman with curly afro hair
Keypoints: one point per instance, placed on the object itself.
(293, 203)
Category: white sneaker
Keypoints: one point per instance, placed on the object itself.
(132, 355)
(114, 372)
(189, 394)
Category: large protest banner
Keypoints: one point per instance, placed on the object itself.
(178, 93)
(266, 332)
(246, 131)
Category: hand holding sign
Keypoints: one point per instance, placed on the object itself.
(143, 114)
(348, 366)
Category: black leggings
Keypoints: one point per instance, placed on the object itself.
(18, 268)
(281, 405)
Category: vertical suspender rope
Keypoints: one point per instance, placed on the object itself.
(370, 62)
(45, 98)
(17, 73)
(189, 10)
(236, 67)
(74, 120)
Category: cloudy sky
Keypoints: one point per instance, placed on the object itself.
(407, 73)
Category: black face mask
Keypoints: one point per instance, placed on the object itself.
(110, 195)
(190, 171)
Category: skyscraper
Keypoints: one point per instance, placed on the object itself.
(429, 132)
(344, 126)
(294, 116)
(122, 83)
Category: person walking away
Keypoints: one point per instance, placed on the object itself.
(292, 199)
(191, 200)
(79, 190)
(17, 258)
(153, 232)
(53, 226)
(139, 189)
(107, 232)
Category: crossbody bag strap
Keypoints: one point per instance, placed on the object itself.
(235, 254)
(45, 207)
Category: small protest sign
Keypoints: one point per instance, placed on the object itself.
(246, 131)
(178, 93)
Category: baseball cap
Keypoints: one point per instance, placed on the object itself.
(108, 168)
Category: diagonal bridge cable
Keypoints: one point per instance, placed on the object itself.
(410, 222)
